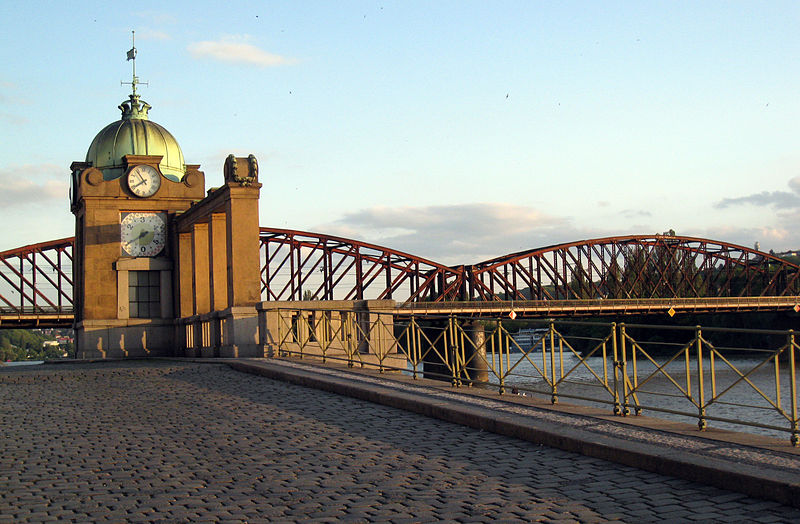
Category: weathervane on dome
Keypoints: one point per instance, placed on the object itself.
(132, 56)
(134, 108)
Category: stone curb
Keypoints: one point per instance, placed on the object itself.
(744, 478)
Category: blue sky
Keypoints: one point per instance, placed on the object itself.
(457, 131)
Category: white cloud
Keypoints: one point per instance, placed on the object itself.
(34, 204)
(775, 199)
(15, 120)
(470, 233)
(26, 185)
(9, 96)
(151, 34)
(635, 213)
(159, 17)
(458, 234)
(237, 49)
(779, 231)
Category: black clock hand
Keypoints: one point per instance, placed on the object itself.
(141, 236)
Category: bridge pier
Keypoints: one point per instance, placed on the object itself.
(475, 363)
(434, 351)
(454, 351)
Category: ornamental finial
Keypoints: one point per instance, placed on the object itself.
(134, 107)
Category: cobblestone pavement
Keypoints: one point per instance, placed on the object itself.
(175, 442)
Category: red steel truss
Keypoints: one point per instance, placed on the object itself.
(36, 280)
(298, 265)
(635, 266)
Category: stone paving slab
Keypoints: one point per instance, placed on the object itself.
(159, 441)
(755, 465)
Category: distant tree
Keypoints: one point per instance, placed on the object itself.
(579, 286)
(25, 344)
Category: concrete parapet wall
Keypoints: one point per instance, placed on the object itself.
(126, 338)
(232, 332)
(357, 331)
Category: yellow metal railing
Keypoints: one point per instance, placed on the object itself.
(697, 372)
(607, 304)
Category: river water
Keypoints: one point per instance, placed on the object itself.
(735, 398)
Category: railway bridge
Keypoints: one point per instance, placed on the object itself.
(635, 274)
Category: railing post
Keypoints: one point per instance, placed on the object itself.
(302, 328)
(702, 423)
(624, 371)
(279, 330)
(458, 335)
(544, 357)
(380, 345)
(451, 352)
(615, 379)
(411, 337)
(500, 357)
(349, 338)
(554, 385)
(795, 438)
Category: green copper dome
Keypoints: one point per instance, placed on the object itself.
(135, 134)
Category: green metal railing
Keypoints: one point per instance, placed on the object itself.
(707, 374)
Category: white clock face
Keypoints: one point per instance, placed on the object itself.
(143, 234)
(144, 180)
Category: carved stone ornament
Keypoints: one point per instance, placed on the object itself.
(191, 179)
(232, 170)
(93, 176)
(253, 166)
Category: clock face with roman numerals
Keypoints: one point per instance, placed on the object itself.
(142, 234)
(144, 180)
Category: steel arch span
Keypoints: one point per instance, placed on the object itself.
(635, 266)
(299, 265)
(36, 284)
(302, 265)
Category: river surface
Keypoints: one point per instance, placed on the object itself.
(735, 398)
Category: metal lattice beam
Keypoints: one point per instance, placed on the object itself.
(36, 280)
(300, 265)
(636, 266)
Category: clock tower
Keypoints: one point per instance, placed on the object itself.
(125, 197)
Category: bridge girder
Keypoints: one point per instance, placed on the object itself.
(36, 280)
(36, 288)
(622, 267)
(635, 266)
(299, 265)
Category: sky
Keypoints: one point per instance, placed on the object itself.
(457, 131)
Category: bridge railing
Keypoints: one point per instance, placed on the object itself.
(727, 378)
(599, 306)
